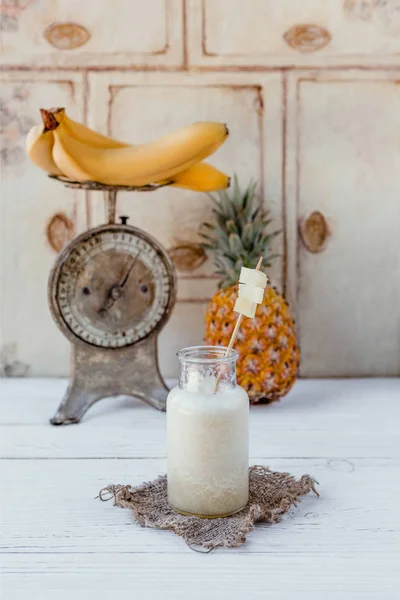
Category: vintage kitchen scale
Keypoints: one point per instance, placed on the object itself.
(111, 291)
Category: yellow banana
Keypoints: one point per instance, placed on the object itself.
(39, 147)
(84, 134)
(135, 165)
(201, 177)
(40, 141)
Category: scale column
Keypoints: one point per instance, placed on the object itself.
(111, 206)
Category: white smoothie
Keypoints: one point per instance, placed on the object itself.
(207, 438)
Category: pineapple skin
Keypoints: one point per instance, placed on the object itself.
(269, 355)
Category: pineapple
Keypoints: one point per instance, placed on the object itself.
(267, 345)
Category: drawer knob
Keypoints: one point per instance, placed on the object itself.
(66, 36)
(314, 232)
(187, 256)
(307, 38)
(59, 231)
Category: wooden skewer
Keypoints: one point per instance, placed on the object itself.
(235, 332)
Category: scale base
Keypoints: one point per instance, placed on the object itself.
(99, 373)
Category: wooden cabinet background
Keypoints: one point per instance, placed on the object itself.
(343, 160)
(311, 92)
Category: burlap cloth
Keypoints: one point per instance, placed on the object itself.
(271, 495)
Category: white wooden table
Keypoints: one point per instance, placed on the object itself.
(59, 542)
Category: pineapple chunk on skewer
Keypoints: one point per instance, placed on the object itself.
(245, 307)
(253, 277)
(251, 291)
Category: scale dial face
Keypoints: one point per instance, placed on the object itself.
(112, 287)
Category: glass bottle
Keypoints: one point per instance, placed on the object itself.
(207, 435)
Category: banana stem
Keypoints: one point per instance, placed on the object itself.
(49, 121)
(235, 332)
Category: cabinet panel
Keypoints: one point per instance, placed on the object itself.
(344, 161)
(90, 33)
(138, 108)
(38, 216)
(266, 32)
(185, 328)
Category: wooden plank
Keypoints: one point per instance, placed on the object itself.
(49, 506)
(323, 403)
(343, 161)
(338, 419)
(308, 33)
(140, 34)
(57, 539)
(111, 441)
(346, 575)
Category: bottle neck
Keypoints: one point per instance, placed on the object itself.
(203, 366)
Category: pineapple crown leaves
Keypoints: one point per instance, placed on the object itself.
(238, 235)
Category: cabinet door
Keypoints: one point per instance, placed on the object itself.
(138, 108)
(38, 216)
(92, 33)
(293, 32)
(344, 163)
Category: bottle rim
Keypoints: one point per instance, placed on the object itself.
(206, 355)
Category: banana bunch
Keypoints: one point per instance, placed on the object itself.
(252, 284)
(62, 146)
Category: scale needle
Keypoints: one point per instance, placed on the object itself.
(116, 290)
